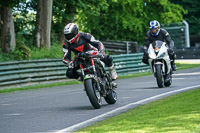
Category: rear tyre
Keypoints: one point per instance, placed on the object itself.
(93, 93)
(167, 84)
(111, 97)
(159, 76)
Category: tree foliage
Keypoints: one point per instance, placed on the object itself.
(7, 31)
(126, 19)
(24, 14)
(10, 3)
(105, 19)
(111, 19)
(192, 16)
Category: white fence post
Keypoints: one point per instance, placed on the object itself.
(187, 36)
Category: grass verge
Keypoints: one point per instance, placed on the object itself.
(179, 113)
(180, 66)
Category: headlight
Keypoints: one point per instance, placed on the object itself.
(156, 50)
(152, 56)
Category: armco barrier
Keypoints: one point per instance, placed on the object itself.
(38, 71)
(129, 63)
(120, 47)
(21, 72)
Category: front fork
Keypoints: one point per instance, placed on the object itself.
(95, 74)
(94, 70)
(82, 71)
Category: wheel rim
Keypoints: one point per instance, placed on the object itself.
(114, 94)
(97, 93)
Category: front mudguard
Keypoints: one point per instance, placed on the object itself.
(92, 76)
(154, 67)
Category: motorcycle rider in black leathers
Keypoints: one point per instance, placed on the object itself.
(81, 42)
(157, 33)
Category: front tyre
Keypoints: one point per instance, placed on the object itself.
(93, 93)
(159, 76)
(111, 97)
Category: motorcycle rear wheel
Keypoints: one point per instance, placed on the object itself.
(111, 97)
(93, 93)
(169, 82)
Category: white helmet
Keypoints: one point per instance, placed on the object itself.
(154, 27)
(71, 32)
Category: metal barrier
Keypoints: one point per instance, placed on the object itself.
(129, 64)
(179, 33)
(120, 47)
(37, 71)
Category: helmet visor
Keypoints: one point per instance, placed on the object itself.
(154, 30)
(69, 36)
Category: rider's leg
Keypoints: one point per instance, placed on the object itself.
(172, 56)
(109, 63)
(72, 73)
(145, 58)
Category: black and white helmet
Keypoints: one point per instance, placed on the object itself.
(154, 27)
(71, 32)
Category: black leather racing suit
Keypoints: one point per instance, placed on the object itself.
(164, 36)
(85, 42)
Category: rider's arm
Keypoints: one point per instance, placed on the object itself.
(94, 44)
(67, 53)
(168, 39)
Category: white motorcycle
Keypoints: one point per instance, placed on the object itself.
(160, 63)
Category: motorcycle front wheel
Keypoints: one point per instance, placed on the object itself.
(93, 93)
(159, 76)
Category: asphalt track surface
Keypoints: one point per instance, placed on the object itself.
(67, 108)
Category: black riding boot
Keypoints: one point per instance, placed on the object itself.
(173, 65)
(172, 57)
(167, 77)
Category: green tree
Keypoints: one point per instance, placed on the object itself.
(65, 12)
(24, 15)
(126, 19)
(43, 24)
(8, 42)
(192, 17)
